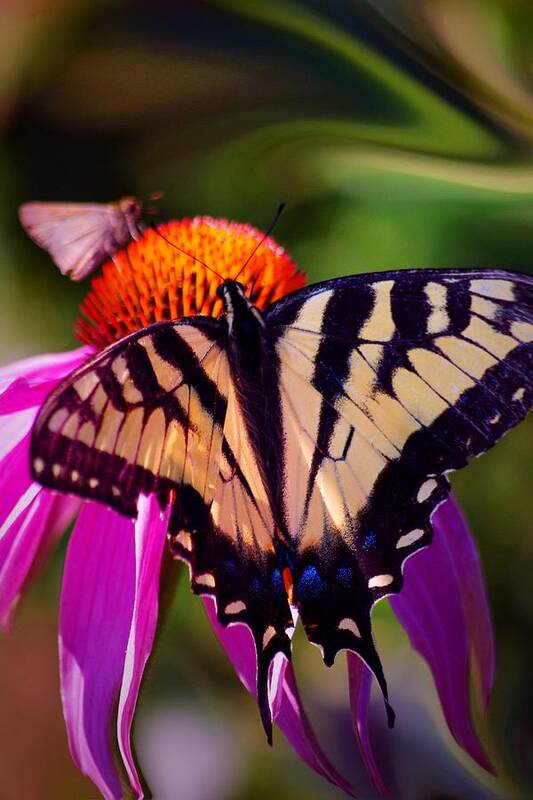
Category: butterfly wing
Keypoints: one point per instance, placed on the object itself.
(78, 236)
(157, 413)
(145, 415)
(233, 554)
(387, 382)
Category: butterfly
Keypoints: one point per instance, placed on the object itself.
(79, 236)
(303, 449)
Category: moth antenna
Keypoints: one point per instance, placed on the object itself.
(269, 230)
(154, 197)
(186, 253)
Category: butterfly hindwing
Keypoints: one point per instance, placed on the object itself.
(388, 381)
(232, 552)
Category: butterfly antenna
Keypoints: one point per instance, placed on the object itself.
(270, 228)
(186, 253)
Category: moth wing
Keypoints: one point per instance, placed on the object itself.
(78, 236)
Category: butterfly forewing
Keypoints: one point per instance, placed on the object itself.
(145, 415)
(388, 381)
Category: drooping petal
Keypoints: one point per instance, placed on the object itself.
(22, 518)
(287, 710)
(13, 428)
(97, 599)
(18, 548)
(21, 394)
(238, 644)
(45, 367)
(64, 509)
(26, 383)
(360, 684)
(465, 557)
(26, 540)
(150, 536)
(431, 609)
(17, 489)
(30, 519)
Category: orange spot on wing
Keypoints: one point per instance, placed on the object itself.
(288, 583)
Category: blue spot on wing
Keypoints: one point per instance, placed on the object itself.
(310, 583)
(229, 566)
(344, 576)
(370, 540)
(277, 583)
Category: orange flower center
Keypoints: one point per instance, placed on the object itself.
(151, 280)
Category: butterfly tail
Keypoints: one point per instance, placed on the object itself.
(366, 650)
(377, 669)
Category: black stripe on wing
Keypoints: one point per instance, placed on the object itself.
(122, 425)
(417, 372)
(229, 547)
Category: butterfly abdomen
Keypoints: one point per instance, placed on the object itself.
(254, 369)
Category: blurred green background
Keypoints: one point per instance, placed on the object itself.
(399, 134)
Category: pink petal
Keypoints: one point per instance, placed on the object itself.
(63, 511)
(431, 608)
(21, 394)
(97, 599)
(465, 556)
(150, 536)
(287, 710)
(18, 549)
(17, 489)
(27, 383)
(238, 643)
(360, 683)
(23, 514)
(27, 541)
(44, 367)
(30, 519)
(13, 428)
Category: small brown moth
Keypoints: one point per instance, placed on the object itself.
(79, 236)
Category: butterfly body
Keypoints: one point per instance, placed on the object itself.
(245, 329)
(254, 368)
(80, 236)
(304, 448)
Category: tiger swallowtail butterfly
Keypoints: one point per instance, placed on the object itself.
(80, 236)
(304, 449)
